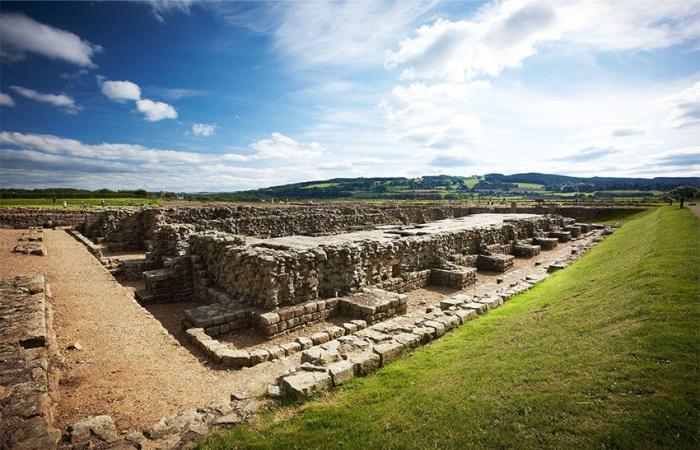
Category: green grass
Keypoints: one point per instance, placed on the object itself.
(74, 203)
(532, 186)
(603, 355)
(320, 185)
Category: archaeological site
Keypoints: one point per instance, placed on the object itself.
(149, 327)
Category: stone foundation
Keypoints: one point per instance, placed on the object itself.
(495, 262)
(26, 415)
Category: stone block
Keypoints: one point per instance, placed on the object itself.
(302, 385)
(235, 358)
(365, 363)
(388, 351)
(341, 372)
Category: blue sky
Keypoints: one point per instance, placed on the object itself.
(193, 96)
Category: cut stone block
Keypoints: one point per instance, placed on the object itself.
(388, 351)
(304, 384)
(365, 363)
(341, 372)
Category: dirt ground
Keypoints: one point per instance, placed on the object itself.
(130, 367)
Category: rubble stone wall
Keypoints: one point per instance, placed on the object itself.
(26, 414)
(269, 278)
(19, 218)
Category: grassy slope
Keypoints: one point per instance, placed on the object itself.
(602, 355)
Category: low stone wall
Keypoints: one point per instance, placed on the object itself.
(406, 282)
(172, 283)
(31, 242)
(495, 262)
(26, 414)
(335, 362)
(42, 217)
(457, 278)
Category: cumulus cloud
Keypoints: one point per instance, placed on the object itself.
(684, 107)
(283, 147)
(6, 100)
(503, 34)
(40, 160)
(587, 154)
(120, 91)
(20, 35)
(65, 102)
(155, 111)
(203, 129)
(433, 116)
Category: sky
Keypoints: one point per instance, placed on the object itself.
(223, 96)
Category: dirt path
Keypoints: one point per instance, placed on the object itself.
(695, 209)
(129, 367)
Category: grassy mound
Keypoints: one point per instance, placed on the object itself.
(605, 354)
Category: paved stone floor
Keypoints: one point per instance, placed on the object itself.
(386, 233)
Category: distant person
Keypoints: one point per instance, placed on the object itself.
(53, 200)
(65, 204)
(103, 203)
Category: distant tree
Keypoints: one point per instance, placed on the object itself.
(683, 193)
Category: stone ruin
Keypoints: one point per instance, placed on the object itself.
(276, 271)
(279, 270)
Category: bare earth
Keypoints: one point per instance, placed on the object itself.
(130, 367)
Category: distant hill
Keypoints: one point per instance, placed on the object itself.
(435, 187)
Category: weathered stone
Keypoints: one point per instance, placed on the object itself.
(235, 358)
(341, 372)
(259, 356)
(388, 351)
(101, 427)
(365, 363)
(304, 384)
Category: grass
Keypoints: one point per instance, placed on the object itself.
(74, 203)
(603, 355)
(533, 186)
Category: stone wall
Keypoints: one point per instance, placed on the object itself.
(25, 335)
(269, 278)
(42, 217)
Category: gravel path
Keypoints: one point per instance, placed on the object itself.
(129, 367)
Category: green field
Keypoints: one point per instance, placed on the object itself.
(74, 203)
(531, 186)
(602, 355)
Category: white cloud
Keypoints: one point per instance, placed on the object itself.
(62, 101)
(203, 129)
(161, 8)
(349, 33)
(503, 34)
(155, 111)
(279, 146)
(20, 34)
(120, 90)
(435, 116)
(6, 100)
(36, 160)
(684, 107)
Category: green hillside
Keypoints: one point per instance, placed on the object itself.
(447, 187)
